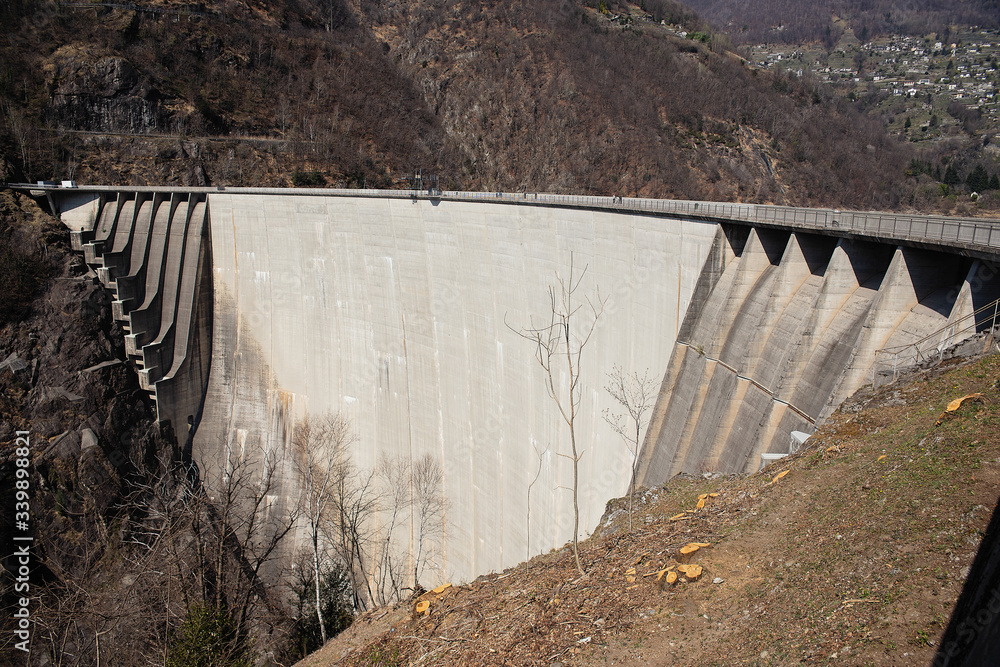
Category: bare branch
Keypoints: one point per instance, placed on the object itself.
(558, 343)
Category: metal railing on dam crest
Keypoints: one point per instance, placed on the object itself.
(978, 236)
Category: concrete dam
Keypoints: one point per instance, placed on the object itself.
(248, 310)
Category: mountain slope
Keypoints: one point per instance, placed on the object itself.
(854, 549)
(542, 96)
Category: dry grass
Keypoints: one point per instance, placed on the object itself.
(857, 555)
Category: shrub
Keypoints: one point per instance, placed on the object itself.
(335, 594)
(209, 637)
(305, 179)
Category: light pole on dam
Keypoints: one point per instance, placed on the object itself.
(252, 310)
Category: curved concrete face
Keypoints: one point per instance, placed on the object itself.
(392, 312)
(247, 312)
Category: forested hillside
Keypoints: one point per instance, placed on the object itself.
(551, 95)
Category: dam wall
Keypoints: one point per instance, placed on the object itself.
(150, 249)
(786, 326)
(398, 314)
(249, 312)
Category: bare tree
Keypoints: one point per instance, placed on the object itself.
(636, 394)
(394, 475)
(320, 460)
(556, 344)
(118, 596)
(19, 128)
(355, 501)
(428, 509)
(248, 521)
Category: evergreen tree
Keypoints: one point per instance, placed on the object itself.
(951, 176)
(994, 183)
(336, 596)
(209, 637)
(978, 180)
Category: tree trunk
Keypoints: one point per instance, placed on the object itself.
(319, 609)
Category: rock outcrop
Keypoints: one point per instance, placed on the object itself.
(99, 93)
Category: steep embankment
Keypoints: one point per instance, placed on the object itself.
(541, 96)
(92, 436)
(854, 549)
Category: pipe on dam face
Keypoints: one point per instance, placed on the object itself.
(247, 313)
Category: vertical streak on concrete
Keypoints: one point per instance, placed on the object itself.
(711, 453)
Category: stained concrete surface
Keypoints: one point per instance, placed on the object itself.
(397, 315)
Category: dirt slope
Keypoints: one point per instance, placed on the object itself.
(855, 556)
